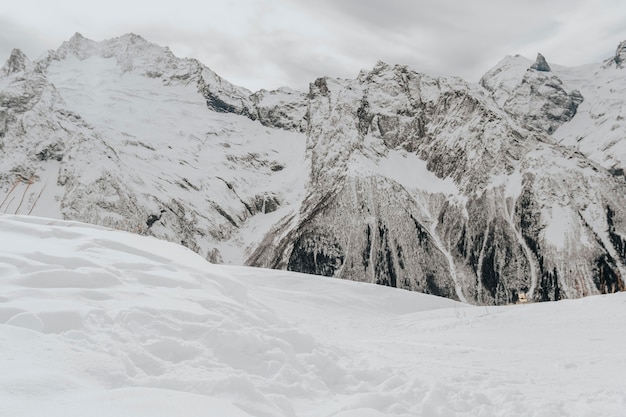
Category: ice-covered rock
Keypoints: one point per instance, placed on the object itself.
(283, 108)
(537, 97)
(581, 106)
(620, 56)
(541, 64)
(17, 62)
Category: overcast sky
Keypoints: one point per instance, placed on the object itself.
(271, 43)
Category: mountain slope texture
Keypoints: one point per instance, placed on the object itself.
(98, 322)
(509, 190)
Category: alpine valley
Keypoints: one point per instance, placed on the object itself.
(508, 190)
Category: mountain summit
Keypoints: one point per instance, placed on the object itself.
(620, 56)
(17, 62)
(541, 64)
(509, 190)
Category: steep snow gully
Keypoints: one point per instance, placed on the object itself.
(509, 190)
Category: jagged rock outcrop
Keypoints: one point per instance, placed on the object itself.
(541, 64)
(283, 108)
(538, 98)
(551, 102)
(17, 62)
(620, 57)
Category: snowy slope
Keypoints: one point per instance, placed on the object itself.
(100, 322)
(124, 134)
(599, 129)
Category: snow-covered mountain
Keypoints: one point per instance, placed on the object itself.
(511, 189)
(106, 323)
(550, 97)
(122, 133)
(445, 192)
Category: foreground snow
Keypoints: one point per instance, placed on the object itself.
(103, 323)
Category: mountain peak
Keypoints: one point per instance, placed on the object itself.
(133, 39)
(78, 45)
(620, 54)
(380, 66)
(78, 40)
(541, 64)
(17, 62)
(619, 59)
(77, 37)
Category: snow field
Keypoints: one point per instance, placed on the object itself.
(210, 159)
(100, 322)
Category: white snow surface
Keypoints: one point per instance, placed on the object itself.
(598, 128)
(407, 169)
(212, 156)
(95, 322)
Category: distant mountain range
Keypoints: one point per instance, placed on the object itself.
(509, 190)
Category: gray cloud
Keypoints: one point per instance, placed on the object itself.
(19, 36)
(270, 43)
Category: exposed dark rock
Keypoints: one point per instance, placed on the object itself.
(618, 241)
(364, 118)
(620, 55)
(368, 247)
(283, 108)
(54, 151)
(384, 269)
(541, 64)
(3, 122)
(153, 218)
(224, 214)
(320, 86)
(618, 172)
(542, 102)
(214, 256)
(548, 289)
(275, 166)
(529, 216)
(316, 253)
(607, 276)
(215, 103)
(266, 203)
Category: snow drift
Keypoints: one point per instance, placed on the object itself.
(100, 322)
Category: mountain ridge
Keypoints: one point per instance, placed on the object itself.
(476, 192)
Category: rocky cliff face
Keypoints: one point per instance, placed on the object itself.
(581, 107)
(522, 218)
(619, 58)
(473, 192)
(539, 100)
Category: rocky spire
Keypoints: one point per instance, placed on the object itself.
(17, 62)
(541, 64)
(78, 45)
(620, 54)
